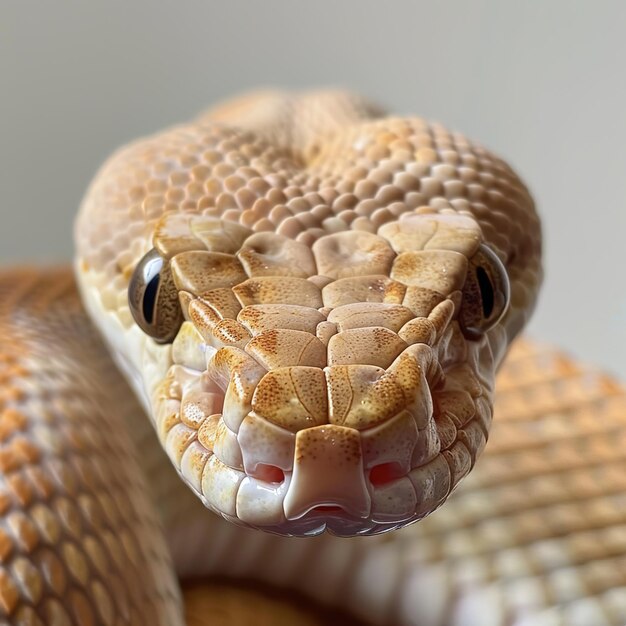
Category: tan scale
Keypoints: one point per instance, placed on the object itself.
(283, 347)
(376, 288)
(198, 271)
(370, 314)
(263, 317)
(268, 254)
(368, 346)
(275, 290)
(292, 397)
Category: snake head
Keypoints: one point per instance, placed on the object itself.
(344, 386)
(325, 299)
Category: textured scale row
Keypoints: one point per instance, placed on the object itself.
(537, 534)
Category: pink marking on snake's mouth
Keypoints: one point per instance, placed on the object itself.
(269, 473)
(385, 473)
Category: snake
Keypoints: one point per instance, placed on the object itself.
(310, 301)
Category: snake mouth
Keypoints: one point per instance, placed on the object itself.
(328, 476)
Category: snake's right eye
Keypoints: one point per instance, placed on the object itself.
(486, 294)
(153, 298)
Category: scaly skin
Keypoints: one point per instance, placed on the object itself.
(534, 537)
(77, 526)
(321, 257)
(323, 261)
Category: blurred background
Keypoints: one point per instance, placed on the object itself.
(541, 83)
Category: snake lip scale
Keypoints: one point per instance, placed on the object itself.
(312, 300)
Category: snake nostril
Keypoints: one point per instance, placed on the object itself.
(269, 473)
(385, 473)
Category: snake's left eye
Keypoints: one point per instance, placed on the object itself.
(486, 293)
(153, 298)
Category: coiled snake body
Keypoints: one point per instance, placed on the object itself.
(311, 301)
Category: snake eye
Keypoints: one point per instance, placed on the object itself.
(153, 298)
(486, 293)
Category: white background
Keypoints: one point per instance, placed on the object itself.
(542, 83)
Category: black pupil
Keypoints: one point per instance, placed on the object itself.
(149, 298)
(486, 292)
